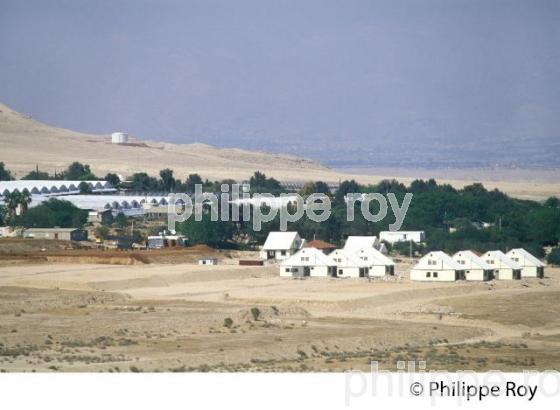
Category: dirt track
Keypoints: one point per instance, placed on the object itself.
(99, 317)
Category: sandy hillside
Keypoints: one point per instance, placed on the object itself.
(25, 143)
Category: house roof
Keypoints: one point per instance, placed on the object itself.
(355, 243)
(320, 244)
(281, 241)
(445, 258)
(347, 259)
(374, 255)
(477, 260)
(499, 255)
(528, 257)
(315, 256)
(52, 229)
(52, 187)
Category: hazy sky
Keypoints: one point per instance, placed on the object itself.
(299, 76)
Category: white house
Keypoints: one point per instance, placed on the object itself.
(346, 265)
(355, 243)
(504, 268)
(208, 260)
(377, 263)
(402, 236)
(306, 262)
(475, 267)
(531, 267)
(281, 245)
(437, 266)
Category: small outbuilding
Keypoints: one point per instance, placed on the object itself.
(437, 266)
(281, 245)
(531, 267)
(503, 267)
(208, 260)
(306, 262)
(63, 234)
(402, 236)
(475, 267)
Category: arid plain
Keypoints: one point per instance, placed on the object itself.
(157, 317)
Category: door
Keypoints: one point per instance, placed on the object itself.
(306, 271)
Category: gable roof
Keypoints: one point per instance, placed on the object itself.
(346, 259)
(445, 258)
(315, 258)
(377, 257)
(499, 255)
(320, 244)
(477, 260)
(281, 241)
(528, 257)
(355, 243)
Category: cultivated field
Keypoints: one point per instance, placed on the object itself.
(185, 317)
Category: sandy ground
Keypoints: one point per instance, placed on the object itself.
(26, 143)
(186, 317)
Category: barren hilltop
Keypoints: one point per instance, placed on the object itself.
(26, 143)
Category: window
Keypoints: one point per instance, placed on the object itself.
(428, 274)
(283, 253)
(340, 271)
(287, 269)
(435, 274)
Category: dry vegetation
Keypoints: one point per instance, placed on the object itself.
(185, 317)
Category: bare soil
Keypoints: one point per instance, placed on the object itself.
(77, 317)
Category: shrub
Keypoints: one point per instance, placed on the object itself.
(228, 322)
(256, 313)
(554, 257)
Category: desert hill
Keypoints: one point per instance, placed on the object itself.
(25, 143)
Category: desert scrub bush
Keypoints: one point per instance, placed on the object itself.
(228, 322)
(135, 369)
(255, 312)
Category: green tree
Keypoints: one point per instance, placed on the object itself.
(5, 174)
(101, 232)
(37, 175)
(261, 184)
(554, 257)
(168, 182)
(78, 172)
(113, 179)
(15, 200)
(3, 215)
(50, 214)
(121, 220)
(206, 231)
(85, 188)
(192, 180)
(347, 187)
(143, 182)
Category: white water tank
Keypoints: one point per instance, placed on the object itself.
(119, 138)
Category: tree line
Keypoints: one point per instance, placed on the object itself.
(453, 219)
